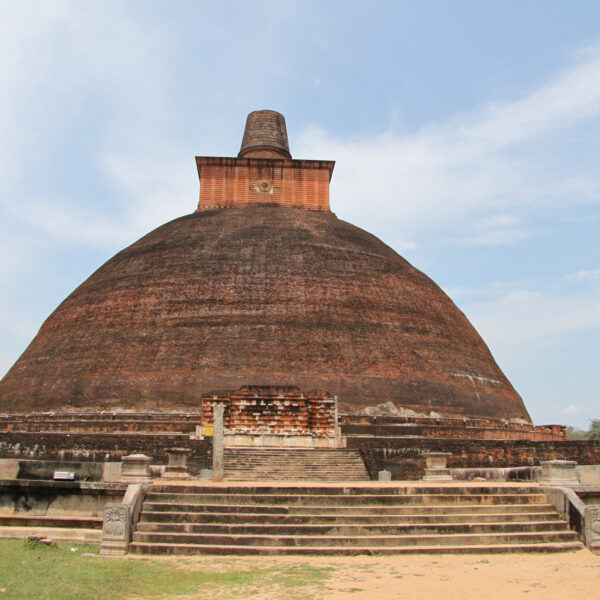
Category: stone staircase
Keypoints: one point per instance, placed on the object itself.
(293, 464)
(348, 519)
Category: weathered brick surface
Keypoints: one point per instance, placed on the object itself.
(449, 428)
(262, 295)
(268, 410)
(252, 289)
(228, 182)
(404, 457)
(265, 135)
(100, 447)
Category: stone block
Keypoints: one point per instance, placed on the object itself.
(436, 469)
(384, 475)
(135, 468)
(177, 467)
(592, 527)
(116, 530)
(111, 471)
(559, 472)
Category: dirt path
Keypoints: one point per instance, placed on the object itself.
(567, 576)
(546, 577)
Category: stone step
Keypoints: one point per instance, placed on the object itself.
(348, 519)
(351, 530)
(174, 548)
(365, 510)
(283, 464)
(336, 499)
(308, 459)
(372, 488)
(270, 450)
(351, 519)
(63, 534)
(282, 476)
(373, 541)
(27, 520)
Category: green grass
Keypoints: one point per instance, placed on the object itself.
(35, 571)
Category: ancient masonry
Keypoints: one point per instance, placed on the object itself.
(262, 339)
(255, 299)
(262, 285)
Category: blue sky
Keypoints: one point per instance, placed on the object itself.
(466, 135)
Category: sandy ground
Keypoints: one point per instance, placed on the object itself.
(561, 576)
(553, 576)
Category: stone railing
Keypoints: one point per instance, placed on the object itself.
(120, 519)
(578, 505)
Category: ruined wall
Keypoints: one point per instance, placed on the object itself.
(404, 457)
(97, 423)
(495, 429)
(102, 447)
(273, 410)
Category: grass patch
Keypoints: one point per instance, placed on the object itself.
(36, 571)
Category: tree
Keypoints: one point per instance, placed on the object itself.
(594, 431)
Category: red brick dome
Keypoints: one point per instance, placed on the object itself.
(262, 295)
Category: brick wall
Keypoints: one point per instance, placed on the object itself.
(102, 447)
(457, 431)
(227, 182)
(449, 427)
(404, 457)
(267, 410)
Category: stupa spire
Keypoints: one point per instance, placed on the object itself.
(264, 172)
(265, 136)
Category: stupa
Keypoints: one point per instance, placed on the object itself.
(261, 285)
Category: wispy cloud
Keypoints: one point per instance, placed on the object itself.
(525, 317)
(77, 59)
(586, 275)
(450, 177)
(496, 230)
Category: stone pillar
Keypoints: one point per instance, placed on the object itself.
(135, 468)
(177, 467)
(559, 472)
(436, 469)
(218, 435)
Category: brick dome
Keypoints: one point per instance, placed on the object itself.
(258, 295)
(263, 285)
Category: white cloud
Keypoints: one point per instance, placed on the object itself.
(495, 230)
(529, 317)
(586, 275)
(448, 176)
(572, 409)
(58, 60)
